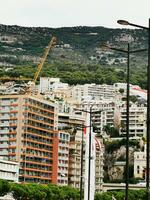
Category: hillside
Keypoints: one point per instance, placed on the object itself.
(77, 57)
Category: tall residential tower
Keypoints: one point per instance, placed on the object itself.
(28, 135)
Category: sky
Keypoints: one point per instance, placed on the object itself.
(67, 13)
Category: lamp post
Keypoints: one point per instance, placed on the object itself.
(123, 22)
(128, 52)
(90, 112)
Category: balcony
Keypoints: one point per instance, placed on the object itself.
(5, 117)
(4, 124)
(4, 131)
(5, 138)
(3, 146)
(63, 164)
(5, 110)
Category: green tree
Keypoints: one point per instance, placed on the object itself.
(70, 193)
(20, 191)
(112, 131)
(121, 90)
(103, 196)
(4, 187)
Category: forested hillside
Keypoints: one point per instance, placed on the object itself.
(77, 57)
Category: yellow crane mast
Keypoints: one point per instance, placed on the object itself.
(40, 65)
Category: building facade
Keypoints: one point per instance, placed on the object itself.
(75, 162)
(9, 170)
(140, 163)
(63, 158)
(28, 135)
(137, 120)
(105, 116)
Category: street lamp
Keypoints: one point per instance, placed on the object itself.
(90, 111)
(128, 52)
(123, 22)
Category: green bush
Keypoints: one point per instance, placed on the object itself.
(43, 192)
(119, 195)
(4, 187)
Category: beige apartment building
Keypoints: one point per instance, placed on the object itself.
(75, 162)
(140, 163)
(28, 135)
(137, 120)
(106, 116)
(63, 158)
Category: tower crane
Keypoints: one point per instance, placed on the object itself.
(40, 65)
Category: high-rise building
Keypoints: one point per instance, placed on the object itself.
(137, 121)
(28, 135)
(63, 158)
(75, 161)
(99, 119)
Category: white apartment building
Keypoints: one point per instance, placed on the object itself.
(99, 91)
(140, 163)
(63, 158)
(137, 120)
(48, 84)
(75, 93)
(92, 91)
(9, 170)
(103, 118)
(118, 86)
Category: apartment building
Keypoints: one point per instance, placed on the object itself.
(48, 84)
(137, 120)
(63, 158)
(9, 170)
(68, 123)
(28, 135)
(99, 164)
(140, 163)
(99, 91)
(75, 93)
(102, 118)
(92, 91)
(75, 161)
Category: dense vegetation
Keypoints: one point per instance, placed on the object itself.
(53, 192)
(37, 191)
(80, 74)
(112, 146)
